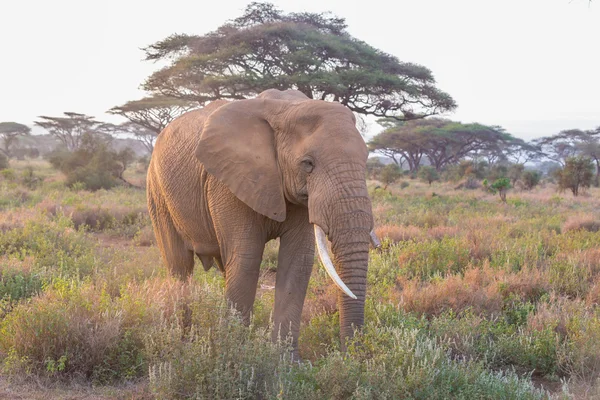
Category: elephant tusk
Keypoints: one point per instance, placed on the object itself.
(326, 261)
(375, 240)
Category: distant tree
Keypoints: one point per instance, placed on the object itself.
(71, 128)
(428, 174)
(589, 146)
(3, 162)
(455, 141)
(515, 172)
(402, 142)
(145, 136)
(154, 112)
(576, 174)
(442, 141)
(572, 143)
(497, 171)
(390, 174)
(312, 52)
(530, 179)
(520, 152)
(9, 133)
(374, 167)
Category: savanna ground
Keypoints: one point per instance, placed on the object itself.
(469, 298)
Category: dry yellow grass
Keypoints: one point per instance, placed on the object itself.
(582, 222)
(481, 289)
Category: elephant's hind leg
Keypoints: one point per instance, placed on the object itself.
(178, 258)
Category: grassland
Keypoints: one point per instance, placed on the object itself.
(469, 298)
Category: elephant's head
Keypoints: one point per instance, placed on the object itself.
(282, 147)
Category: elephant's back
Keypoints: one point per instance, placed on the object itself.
(175, 175)
(174, 151)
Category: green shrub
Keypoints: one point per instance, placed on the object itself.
(390, 174)
(94, 164)
(499, 186)
(56, 248)
(577, 173)
(3, 162)
(530, 179)
(71, 331)
(428, 174)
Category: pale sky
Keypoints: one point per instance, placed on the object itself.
(531, 66)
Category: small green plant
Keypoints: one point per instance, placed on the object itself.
(499, 186)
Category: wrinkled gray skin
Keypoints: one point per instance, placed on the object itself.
(226, 179)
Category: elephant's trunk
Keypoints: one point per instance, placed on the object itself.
(351, 255)
(349, 226)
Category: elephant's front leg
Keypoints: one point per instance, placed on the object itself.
(295, 263)
(241, 279)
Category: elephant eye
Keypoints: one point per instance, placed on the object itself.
(307, 165)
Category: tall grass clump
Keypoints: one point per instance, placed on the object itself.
(231, 360)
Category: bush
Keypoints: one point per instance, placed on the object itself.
(390, 174)
(3, 162)
(530, 179)
(515, 172)
(497, 171)
(374, 167)
(94, 164)
(577, 173)
(428, 174)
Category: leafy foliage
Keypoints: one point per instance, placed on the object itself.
(149, 116)
(576, 174)
(500, 186)
(4, 162)
(9, 132)
(312, 52)
(428, 174)
(93, 164)
(444, 142)
(530, 179)
(390, 174)
(71, 129)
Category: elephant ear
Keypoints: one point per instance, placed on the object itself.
(237, 146)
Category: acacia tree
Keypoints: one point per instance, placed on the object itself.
(401, 143)
(145, 136)
(311, 52)
(519, 151)
(443, 141)
(71, 128)
(9, 133)
(573, 143)
(153, 112)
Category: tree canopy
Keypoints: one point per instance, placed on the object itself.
(153, 112)
(145, 136)
(573, 143)
(443, 141)
(70, 129)
(9, 132)
(312, 52)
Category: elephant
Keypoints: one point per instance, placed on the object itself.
(225, 179)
